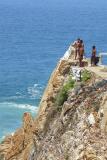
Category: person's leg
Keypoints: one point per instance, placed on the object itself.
(76, 54)
(91, 60)
(80, 60)
(82, 65)
(94, 60)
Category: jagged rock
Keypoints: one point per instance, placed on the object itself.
(17, 142)
(64, 67)
(101, 83)
(63, 134)
(90, 154)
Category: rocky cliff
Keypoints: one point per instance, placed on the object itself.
(71, 123)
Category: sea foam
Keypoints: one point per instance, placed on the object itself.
(19, 106)
(34, 91)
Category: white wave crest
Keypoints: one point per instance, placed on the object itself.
(19, 106)
(26, 106)
(34, 91)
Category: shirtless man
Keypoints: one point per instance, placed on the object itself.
(81, 52)
(77, 46)
(93, 57)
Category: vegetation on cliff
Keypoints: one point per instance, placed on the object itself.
(62, 96)
(63, 93)
(86, 75)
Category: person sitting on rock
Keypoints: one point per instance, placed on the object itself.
(93, 56)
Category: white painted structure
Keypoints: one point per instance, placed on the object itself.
(76, 73)
(101, 55)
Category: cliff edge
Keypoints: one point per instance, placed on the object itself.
(71, 123)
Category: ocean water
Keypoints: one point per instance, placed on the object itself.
(33, 36)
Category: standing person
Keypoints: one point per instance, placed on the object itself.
(81, 52)
(76, 46)
(93, 56)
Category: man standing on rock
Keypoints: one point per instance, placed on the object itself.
(81, 53)
(93, 56)
(76, 45)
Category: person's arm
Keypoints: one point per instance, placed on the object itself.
(95, 52)
(74, 44)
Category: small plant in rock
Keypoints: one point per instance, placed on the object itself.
(63, 93)
(86, 75)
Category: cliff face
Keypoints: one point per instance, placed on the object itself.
(71, 123)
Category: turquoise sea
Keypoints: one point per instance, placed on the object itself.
(33, 36)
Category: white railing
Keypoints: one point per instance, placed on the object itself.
(101, 55)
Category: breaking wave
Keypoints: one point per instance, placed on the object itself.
(19, 106)
(34, 91)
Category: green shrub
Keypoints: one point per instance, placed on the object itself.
(86, 75)
(63, 93)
